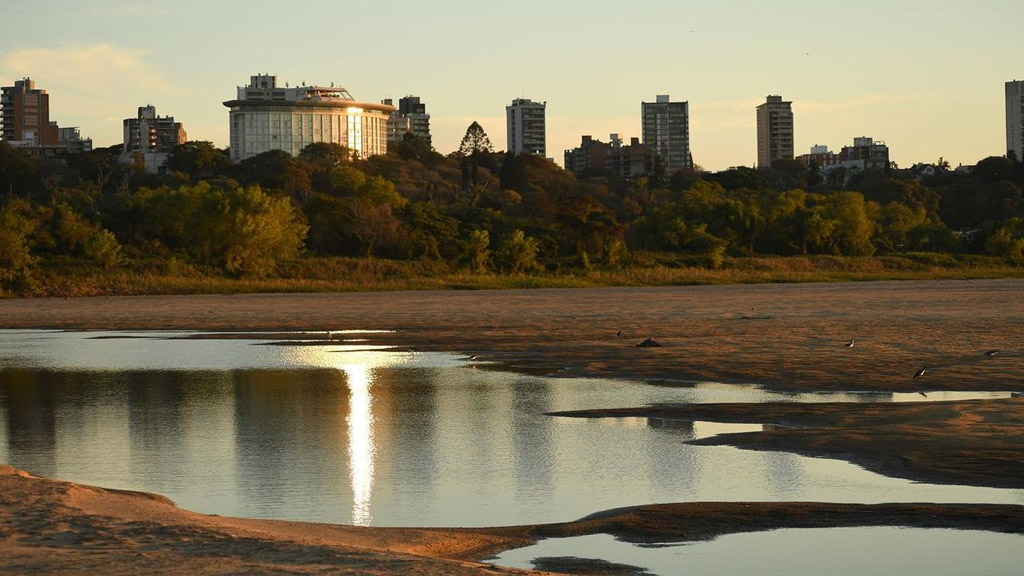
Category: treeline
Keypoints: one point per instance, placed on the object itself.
(477, 210)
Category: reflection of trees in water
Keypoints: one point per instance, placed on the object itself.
(407, 414)
(181, 432)
(155, 424)
(291, 441)
(31, 402)
(533, 454)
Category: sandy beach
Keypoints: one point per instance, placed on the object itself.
(784, 337)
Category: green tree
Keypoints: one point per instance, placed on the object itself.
(429, 234)
(842, 225)
(474, 146)
(378, 191)
(895, 223)
(324, 156)
(198, 159)
(1008, 240)
(19, 173)
(475, 141)
(278, 170)
(345, 180)
(246, 231)
(16, 260)
(477, 250)
(518, 253)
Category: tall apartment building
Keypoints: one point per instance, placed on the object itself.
(26, 115)
(410, 117)
(149, 139)
(666, 129)
(397, 127)
(526, 128)
(774, 131)
(416, 111)
(267, 117)
(1015, 118)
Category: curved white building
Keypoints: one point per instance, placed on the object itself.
(266, 117)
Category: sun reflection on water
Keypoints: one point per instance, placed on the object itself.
(358, 363)
(360, 441)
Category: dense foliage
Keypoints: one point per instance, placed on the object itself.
(478, 210)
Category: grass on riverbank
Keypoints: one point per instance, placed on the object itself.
(72, 278)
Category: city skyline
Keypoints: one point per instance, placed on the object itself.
(927, 80)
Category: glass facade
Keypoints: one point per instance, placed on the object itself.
(256, 129)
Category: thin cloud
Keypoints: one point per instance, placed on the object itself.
(862, 101)
(90, 84)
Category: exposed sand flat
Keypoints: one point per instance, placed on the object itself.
(788, 337)
(54, 527)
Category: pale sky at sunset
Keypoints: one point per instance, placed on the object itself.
(925, 77)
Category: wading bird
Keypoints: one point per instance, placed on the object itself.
(849, 344)
(920, 372)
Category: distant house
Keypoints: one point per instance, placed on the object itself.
(920, 170)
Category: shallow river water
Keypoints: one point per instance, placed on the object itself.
(346, 433)
(340, 433)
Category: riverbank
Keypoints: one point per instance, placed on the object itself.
(76, 278)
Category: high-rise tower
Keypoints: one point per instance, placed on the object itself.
(26, 115)
(774, 131)
(526, 129)
(666, 129)
(1015, 118)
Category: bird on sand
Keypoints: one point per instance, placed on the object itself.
(991, 353)
(923, 394)
(849, 344)
(920, 372)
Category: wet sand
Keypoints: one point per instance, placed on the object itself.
(786, 337)
(974, 442)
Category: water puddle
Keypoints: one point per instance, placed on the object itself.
(795, 552)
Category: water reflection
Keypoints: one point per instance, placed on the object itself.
(324, 433)
(360, 441)
(794, 552)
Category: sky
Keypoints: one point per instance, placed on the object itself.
(925, 77)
